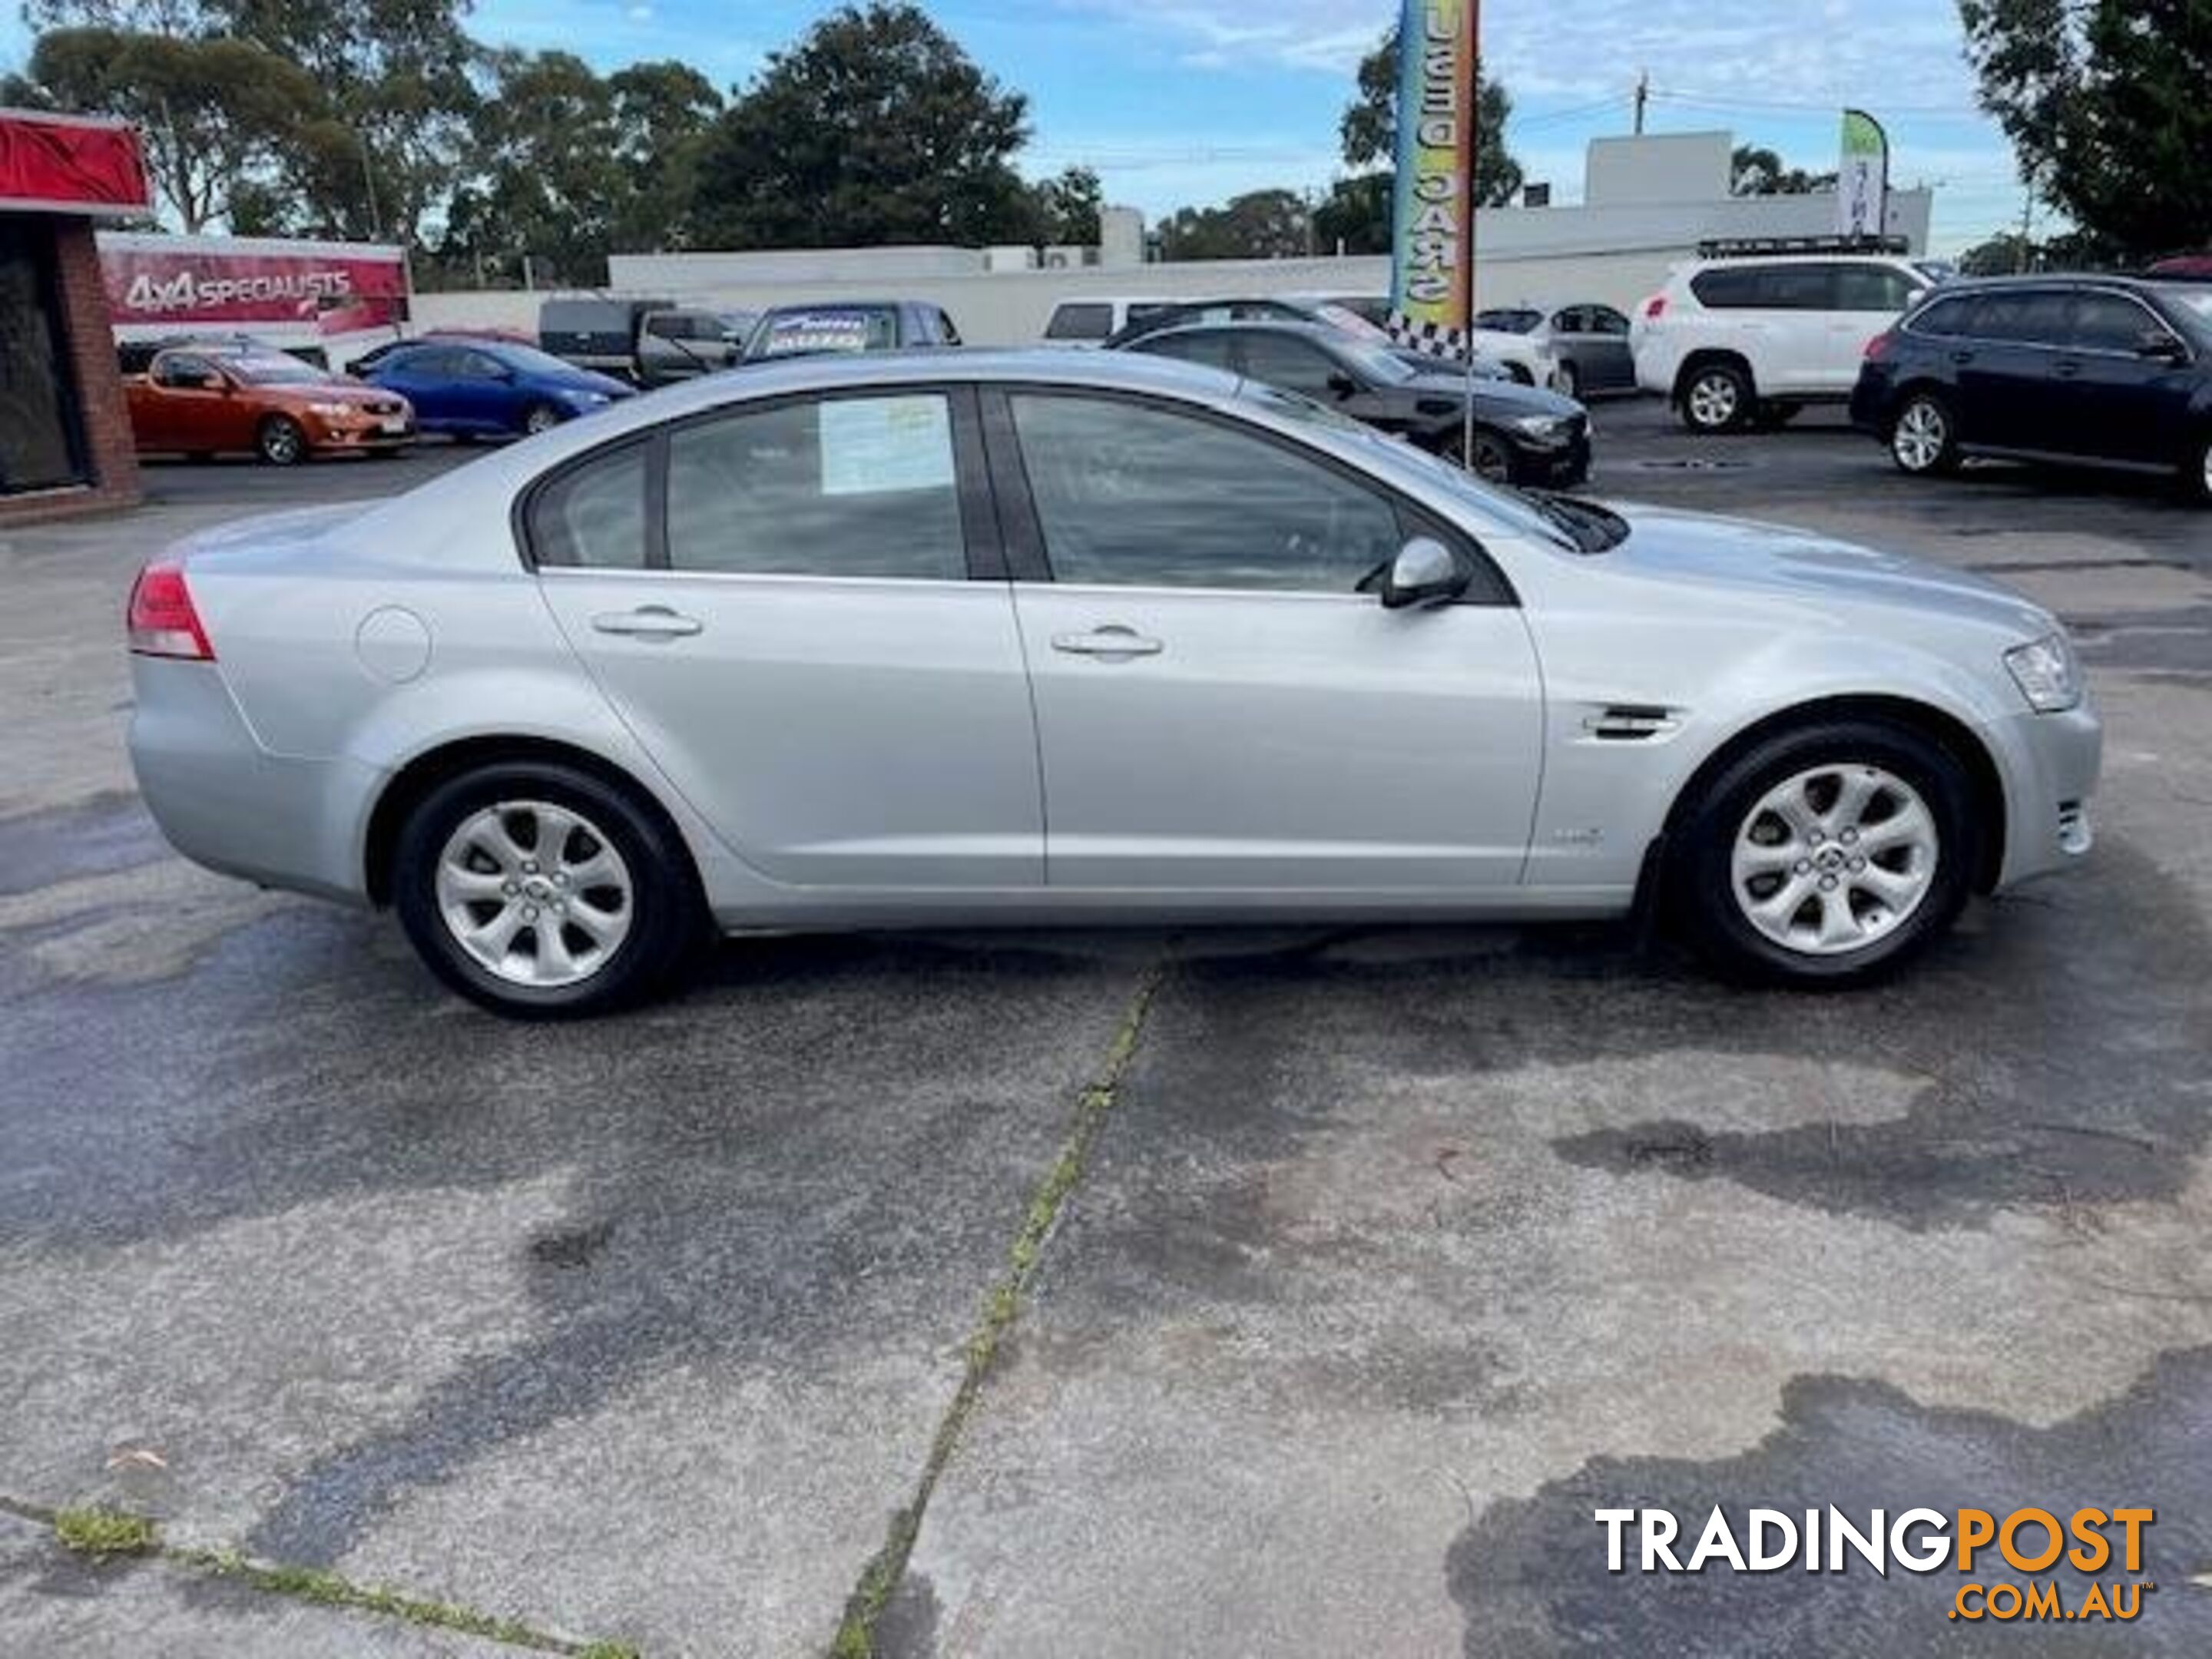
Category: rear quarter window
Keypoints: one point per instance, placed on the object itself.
(1727, 287)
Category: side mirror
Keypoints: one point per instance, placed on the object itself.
(1343, 385)
(1424, 573)
(2158, 346)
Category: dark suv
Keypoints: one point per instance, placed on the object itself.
(2102, 371)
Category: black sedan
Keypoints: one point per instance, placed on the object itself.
(1522, 435)
(2098, 371)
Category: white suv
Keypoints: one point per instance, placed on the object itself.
(1734, 342)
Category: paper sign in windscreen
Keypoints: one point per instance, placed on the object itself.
(877, 446)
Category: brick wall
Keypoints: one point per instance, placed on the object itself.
(89, 344)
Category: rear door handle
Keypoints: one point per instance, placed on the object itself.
(2068, 370)
(1962, 358)
(647, 621)
(1114, 642)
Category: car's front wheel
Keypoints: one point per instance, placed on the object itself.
(1923, 441)
(541, 418)
(1826, 855)
(281, 440)
(543, 891)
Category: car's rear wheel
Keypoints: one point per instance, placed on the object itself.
(1923, 441)
(1826, 855)
(281, 440)
(2197, 479)
(541, 418)
(1718, 397)
(1568, 382)
(543, 891)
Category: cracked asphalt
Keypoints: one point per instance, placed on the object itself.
(1399, 1252)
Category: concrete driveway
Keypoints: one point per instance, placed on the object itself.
(1268, 1293)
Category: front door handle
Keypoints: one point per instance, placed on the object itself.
(2068, 369)
(647, 621)
(1113, 642)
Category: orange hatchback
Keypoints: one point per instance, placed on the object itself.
(209, 400)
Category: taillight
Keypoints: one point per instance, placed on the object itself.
(1654, 308)
(163, 622)
(1879, 347)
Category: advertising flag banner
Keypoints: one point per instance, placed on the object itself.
(71, 164)
(1432, 280)
(1862, 179)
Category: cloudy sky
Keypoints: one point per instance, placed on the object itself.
(1178, 102)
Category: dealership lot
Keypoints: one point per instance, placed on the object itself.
(1398, 1252)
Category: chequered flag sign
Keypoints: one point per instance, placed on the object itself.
(1432, 339)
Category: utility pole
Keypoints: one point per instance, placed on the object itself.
(1643, 97)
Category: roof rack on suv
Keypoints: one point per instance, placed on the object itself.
(1756, 247)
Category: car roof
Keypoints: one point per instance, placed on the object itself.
(1321, 331)
(2047, 279)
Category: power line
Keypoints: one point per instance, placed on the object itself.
(1712, 100)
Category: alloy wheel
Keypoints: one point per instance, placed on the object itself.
(1835, 858)
(281, 442)
(1714, 401)
(536, 894)
(1922, 435)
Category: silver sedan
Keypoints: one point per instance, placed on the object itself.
(1049, 638)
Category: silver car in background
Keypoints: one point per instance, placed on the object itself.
(1050, 637)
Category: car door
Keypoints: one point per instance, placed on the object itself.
(1608, 364)
(1220, 711)
(487, 395)
(420, 376)
(2117, 400)
(790, 602)
(185, 405)
(2007, 397)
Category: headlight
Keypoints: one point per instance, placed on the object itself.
(586, 399)
(2044, 671)
(332, 411)
(1539, 426)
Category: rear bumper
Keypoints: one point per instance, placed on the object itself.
(225, 802)
(1870, 404)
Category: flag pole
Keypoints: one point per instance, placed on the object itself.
(1471, 139)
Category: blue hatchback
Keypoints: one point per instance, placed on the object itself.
(490, 388)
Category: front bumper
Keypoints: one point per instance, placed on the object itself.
(2051, 764)
(1554, 466)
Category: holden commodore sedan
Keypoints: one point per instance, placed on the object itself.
(1050, 638)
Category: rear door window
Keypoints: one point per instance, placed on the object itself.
(2030, 317)
(851, 486)
(1945, 320)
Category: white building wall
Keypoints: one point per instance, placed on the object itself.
(1615, 254)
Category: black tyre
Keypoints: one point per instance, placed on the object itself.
(2196, 477)
(1568, 382)
(281, 441)
(1494, 457)
(1924, 438)
(1718, 396)
(544, 892)
(1825, 856)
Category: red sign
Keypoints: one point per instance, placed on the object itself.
(71, 164)
(188, 281)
